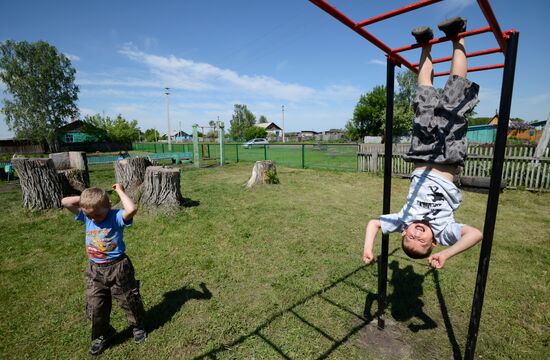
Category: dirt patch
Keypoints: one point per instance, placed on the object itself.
(384, 344)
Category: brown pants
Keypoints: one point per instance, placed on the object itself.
(117, 280)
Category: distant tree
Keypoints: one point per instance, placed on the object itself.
(123, 130)
(40, 82)
(255, 132)
(262, 120)
(151, 135)
(241, 120)
(403, 112)
(406, 82)
(118, 130)
(368, 115)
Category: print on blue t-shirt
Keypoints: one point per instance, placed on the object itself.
(105, 240)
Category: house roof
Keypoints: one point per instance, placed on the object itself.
(78, 126)
(538, 123)
(309, 131)
(180, 133)
(269, 126)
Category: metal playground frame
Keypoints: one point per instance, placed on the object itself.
(507, 44)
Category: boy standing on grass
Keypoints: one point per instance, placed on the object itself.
(110, 272)
(438, 148)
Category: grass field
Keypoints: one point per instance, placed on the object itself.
(275, 272)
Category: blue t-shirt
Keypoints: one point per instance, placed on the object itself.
(104, 240)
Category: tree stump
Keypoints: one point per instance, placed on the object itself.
(73, 181)
(40, 183)
(72, 168)
(130, 173)
(161, 188)
(264, 172)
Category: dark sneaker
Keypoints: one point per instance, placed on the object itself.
(139, 335)
(453, 26)
(98, 345)
(422, 34)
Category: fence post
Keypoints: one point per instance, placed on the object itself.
(222, 142)
(357, 156)
(265, 152)
(237, 151)
(196, 155)
(303, 157)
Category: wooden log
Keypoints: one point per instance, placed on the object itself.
(40, 183)
(130, 173)
(161, 188)
(264, 172)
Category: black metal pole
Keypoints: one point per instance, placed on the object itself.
(383, 261)
(494, 191)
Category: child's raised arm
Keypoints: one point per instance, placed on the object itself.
(71, 203)
(130, 209)
(469, 236)
(370, 235)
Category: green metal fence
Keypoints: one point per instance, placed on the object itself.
(316, 156)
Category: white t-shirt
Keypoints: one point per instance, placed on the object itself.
(432, 198)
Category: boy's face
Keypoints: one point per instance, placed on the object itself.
(418, 236)
(97, 214)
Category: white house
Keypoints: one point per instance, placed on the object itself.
(273, 130)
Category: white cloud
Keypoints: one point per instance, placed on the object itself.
(72, 57)
(377, 62)
(190, 75)
(454, 7)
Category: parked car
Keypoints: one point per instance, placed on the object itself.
(255, 142)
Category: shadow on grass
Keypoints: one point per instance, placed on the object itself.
(212, 354)
(405, 302)
(186, 202)
(164, 311)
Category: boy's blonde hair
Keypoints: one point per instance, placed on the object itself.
(94, 198)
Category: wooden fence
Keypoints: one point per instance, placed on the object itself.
(520, 170)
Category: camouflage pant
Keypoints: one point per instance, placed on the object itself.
(440, 126)
(104, 281)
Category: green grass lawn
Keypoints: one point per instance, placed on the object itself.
(275, 272)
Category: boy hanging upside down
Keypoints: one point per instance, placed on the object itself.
(438, 148)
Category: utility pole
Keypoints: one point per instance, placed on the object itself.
(283, 107)
(167, 92)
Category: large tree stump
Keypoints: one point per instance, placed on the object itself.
(130, 173)
(72, 168)
(40, 183)
(73, 181)
(264, 172)
(161, 188)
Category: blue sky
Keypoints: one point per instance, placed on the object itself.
(265, 54)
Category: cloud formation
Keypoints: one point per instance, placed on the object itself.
(72, 57)
(194, 76)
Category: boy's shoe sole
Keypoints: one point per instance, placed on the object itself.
(140, 335)
(453, 26)
(98, 345)
(422, 34)
(102, 342)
